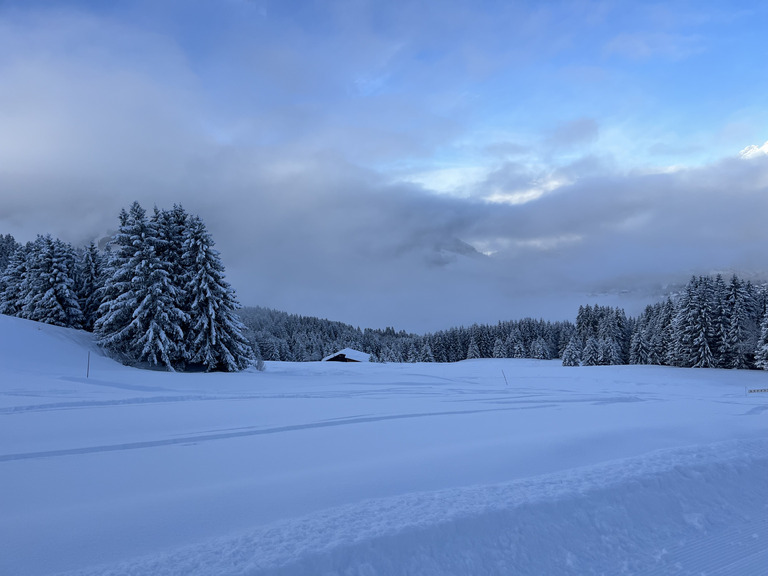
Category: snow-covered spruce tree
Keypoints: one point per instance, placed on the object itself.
(719, 319)
(640, 349)
(159, 316)
(215, 337)
(425, 355)
(139, 319)
(8, 246)
(687, 330)
(11, 281)
(662, 343)
(115, 314)
(572, 352)
(89, 284)
(608, 352)
(735, 346)
(473, 351)
(515, 345)
(51, 297)
(539, 349)
(761, 353)
(171, 232)
(499, 350)
(591, 354)
(704, 341)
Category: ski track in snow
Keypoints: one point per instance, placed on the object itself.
(602, 519)
(240, 434)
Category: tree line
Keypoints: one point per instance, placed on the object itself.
(156, 296)
(710, 324)
(278, 336)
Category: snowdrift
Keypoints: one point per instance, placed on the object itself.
(695, 511)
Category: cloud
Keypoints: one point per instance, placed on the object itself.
(754, 151)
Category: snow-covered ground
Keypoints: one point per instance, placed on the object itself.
(375, 469)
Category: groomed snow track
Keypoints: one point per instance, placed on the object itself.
(697, 510)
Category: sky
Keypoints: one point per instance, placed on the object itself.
(412, 164)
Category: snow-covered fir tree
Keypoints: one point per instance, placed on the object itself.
(51, 296)
(215, 337)
(499, 350)
(473, 351)
(426, 355)
(11, 281)
(90, 284)
(8, 246)
(139, 318)
(572, 352)
(38, 283)
(539, 349)
(761, 351)
(736, 348)
(590, 356)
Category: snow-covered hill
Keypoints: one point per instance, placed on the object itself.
(375, 469)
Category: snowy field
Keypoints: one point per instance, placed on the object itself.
(366, 469)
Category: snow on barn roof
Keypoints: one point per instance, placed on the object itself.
(348, 355)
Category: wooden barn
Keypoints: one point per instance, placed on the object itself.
(348, 355)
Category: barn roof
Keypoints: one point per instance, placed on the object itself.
(352, 354)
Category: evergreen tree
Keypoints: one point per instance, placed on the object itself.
(170, 232)
(11, 281)
(114, 323)
(473, 351)
(499, 351)
(412, 354)
(720, 320)
(572, 352)
(591, 354)
(8, 246)
(139, 318)
(662, 343)
(608, 352)
(688, 327)
(90, 284)
(216, 333)
(761, 353)
(737, 320)
(640, 349)
(158, 317)
(426, 353)
(52, 297)
(540, 350)
(515, 345)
